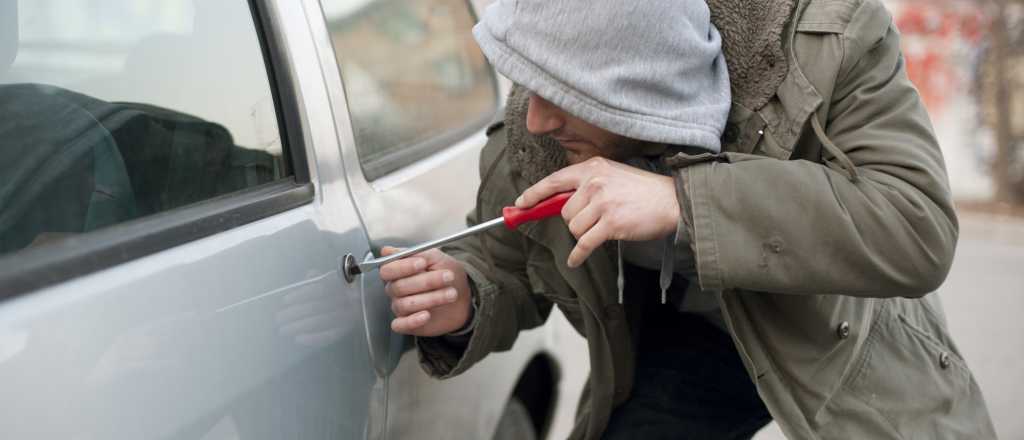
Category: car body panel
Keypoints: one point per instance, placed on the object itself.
(255, 332)
(249, 333)
(172, 344)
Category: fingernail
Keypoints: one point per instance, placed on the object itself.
(519, 201)
(448, 277)
(451, 294)
(419, 264)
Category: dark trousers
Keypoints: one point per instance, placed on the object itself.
(690, 384)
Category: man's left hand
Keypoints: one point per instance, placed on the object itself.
(613, 201)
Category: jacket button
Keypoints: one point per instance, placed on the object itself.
(843, 331)
(944, 360)
(613, 312)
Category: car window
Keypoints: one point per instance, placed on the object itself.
(414, 77)
(121, 109)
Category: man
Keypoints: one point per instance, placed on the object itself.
(819, 232)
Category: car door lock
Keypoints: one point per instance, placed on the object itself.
(350, 268)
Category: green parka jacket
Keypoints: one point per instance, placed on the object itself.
(827, 223)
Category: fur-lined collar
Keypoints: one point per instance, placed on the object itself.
(752, 35)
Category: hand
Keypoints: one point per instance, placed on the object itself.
(429, 293)
(613, 201)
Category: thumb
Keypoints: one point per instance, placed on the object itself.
(388, 250)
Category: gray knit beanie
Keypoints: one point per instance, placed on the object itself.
(650, 70)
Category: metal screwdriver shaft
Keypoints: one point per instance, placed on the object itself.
(377, 262)
(511, 218)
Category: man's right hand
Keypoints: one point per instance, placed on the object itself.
(429, 293)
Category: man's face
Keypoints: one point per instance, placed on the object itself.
(581, 140)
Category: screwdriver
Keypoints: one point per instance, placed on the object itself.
(511, 218)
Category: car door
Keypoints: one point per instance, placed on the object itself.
(173, 218)
(412, 96)
(417, 96)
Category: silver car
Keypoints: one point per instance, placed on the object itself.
(182, 183)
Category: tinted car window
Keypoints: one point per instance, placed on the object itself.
(120, 109)
(414, 77)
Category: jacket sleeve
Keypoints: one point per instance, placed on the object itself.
(505, 302)
(795, 226)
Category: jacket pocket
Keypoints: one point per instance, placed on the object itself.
(934, 342)
(907, 376)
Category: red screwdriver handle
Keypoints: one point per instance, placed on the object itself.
(548, 207)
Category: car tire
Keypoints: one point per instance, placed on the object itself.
(515, 423)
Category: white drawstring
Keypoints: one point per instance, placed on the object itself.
(621, 280)
(845, 164)
(667, 260)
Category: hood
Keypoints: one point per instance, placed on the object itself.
(651, 71)
(752, 35)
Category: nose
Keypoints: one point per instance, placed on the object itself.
(542, 116)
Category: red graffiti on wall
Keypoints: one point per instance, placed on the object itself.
(935, 40)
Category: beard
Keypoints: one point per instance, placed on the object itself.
(535, 157)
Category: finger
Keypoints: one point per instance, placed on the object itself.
(593, 238)
(406, 267)
(425, 301)
(565, 179)
(408, 324)
(388, 250)
(419, 283)
(576, 203)
(432, 256)
(583, 221)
